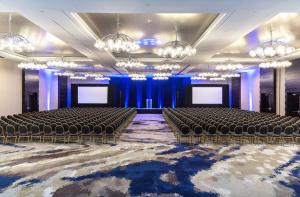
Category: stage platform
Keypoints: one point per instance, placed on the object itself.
(149, 110)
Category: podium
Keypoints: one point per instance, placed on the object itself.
(148, 103)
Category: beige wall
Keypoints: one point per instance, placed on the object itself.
(10, 88)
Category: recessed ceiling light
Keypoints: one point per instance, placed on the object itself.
(149, 21)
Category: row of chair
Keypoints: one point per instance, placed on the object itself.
(92, 123)
(231, 125)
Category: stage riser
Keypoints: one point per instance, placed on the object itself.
(149, 111)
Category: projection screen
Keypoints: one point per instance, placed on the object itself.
(92, 95)
(207, 95)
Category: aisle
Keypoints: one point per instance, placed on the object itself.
(148, 128)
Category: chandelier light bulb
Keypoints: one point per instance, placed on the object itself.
(77, 77)
(198, 78)
(208, 74)
(32, 66)
(130, 63)
(62, 64)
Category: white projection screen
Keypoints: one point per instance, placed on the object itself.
(92, 95)
(207, 95)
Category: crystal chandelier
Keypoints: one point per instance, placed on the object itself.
(138, 77)
(275, 64)
(229, 66)
(102, 78)
(208, 74)
(78, 77)
(271, 52)
(130, 63)
(167, 65)
(32, 66)
(231, 75)
(198, 78)
(176, 49)
(14, 42)
(90, 74)
(117, 42)
(64, 74)
(217, 79)
(161, 76)
(61, 63)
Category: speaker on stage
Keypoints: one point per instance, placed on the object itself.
(148, 103)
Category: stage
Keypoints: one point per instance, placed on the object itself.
(149, 110)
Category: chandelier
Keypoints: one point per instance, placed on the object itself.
(217, 79)
(176, 49)
(64, 74)
(138, 77)
(14, 42)
(198, 78)
(90, 74)
(167, 65)
(229, 66)
(102, 78)
(130, 63)
(161, 76)
(271, 51)
(32, 66)
(117, 42)
(61, 63)
(208, 74)
(275, 64)
(78, 77)
(231, 75)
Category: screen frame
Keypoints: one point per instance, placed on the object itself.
(225, 95)
(74, 95)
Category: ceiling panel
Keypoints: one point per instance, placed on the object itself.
(45, 43)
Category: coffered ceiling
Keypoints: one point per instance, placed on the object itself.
(218, 29)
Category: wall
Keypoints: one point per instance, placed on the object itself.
(250, 90)
(48, 90)
(10, 88)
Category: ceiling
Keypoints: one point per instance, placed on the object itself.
(219, 30)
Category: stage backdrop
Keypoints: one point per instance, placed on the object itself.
(164, 93)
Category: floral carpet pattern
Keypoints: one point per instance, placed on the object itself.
(147, 161)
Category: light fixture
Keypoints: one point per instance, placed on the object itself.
(161, 76)
(271, 52)
(32, 66)
(102, 78)
(231, 75)
(275, 64)
(208, 74)
(78, 77)
(130, 63)
(117, 42)
(138, 77)
(61, 63)
(198, 78)
(167, 65)
(65, 74)
(229, 66)
(90, 74)
(217, 79)
(176, 48)
(14, 42)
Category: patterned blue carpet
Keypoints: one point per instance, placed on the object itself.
(147, 161)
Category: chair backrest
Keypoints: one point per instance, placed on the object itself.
(289, 130)
(97, 129)
(263, 129)
(198, 129)
(66, 127)
(23, 129)
(35, 130)
(41, 126)
(47, 130)
(73, 130)
(212, 129)
(78, 127)
(59, 130)
(224, 129)
(238, 130)
(2, 133)
(251, 129)
(85, 129)
(184, 129)
(277, 130)
(10, 130)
